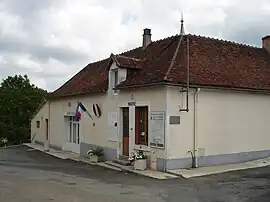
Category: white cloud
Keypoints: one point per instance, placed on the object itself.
(52, 40)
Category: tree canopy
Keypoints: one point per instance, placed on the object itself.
(19, 100)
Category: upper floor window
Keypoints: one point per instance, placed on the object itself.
(38, 124)
(115, 78)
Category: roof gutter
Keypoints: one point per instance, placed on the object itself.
(198, 86)
(162, 83)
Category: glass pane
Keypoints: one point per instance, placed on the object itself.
(115, 78)
(70, 132)
(78, 135)
(74, 133)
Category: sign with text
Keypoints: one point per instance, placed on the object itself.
(174, 120)
(69, 114)
(157, 126)
(131, 103)
(112, 126)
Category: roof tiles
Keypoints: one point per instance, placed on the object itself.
(211, 62)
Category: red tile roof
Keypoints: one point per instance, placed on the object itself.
(212, 62)
(127, 62)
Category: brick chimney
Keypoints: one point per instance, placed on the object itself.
(266, 43)
(146, 37)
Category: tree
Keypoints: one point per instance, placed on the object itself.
(18, 101)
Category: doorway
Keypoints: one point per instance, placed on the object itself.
(125, 113)
(73, 135)
(47, 129)
(141, 125)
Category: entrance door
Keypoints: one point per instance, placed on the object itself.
(125, 131)
(141, 126)
(47, 129)
(73, 139)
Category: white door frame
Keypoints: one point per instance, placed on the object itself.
(71, 146)
(142, 147)
(132, 116)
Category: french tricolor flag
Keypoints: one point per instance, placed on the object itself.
(79, 110)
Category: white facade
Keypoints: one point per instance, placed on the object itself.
(95, 132)
(220, 127)
(226, 127)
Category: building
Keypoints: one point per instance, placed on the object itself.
(190, 100)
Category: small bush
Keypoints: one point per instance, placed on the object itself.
(97, 152)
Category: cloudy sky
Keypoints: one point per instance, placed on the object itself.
(51, 40)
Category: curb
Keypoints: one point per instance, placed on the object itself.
(129, 170)
(176, 174)
(106, 164)
(11, 146)
(100, 164)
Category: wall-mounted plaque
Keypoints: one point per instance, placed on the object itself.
(174, 120)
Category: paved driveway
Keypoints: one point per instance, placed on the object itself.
(29, 175)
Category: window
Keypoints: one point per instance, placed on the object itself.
(141, 127)
(38, 124)
(115, 78)
(74, 130)
(47, 128)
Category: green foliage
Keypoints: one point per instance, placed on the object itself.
(97, 151)
(19, 100)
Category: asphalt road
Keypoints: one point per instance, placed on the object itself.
(27, 175)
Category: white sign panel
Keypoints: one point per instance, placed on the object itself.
(157, 132)
(69, 114)
(112, 126)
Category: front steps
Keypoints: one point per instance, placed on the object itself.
(122, 160)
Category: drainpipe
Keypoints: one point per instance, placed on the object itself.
(195, 130)
(49, 122)
(166, 131)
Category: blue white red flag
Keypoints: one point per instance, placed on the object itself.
(79, 110)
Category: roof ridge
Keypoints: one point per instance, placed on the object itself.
(158, 40)
(225, 41)
(123, 56)
(174, 57)
(174, 36)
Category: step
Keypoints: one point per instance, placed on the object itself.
(122, 162)
(123, 157)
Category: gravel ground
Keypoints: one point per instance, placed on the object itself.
(28, 175)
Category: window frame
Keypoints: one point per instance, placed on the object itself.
(74, 130)
(38, 124)
(116, 80)
(138, 140)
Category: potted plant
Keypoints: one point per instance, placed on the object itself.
(95, 155)
(3, 142)
(139, 159)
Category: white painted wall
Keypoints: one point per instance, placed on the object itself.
(109, 102)
(40, 133)
(227, 122)
(232, 122)
(180, 137)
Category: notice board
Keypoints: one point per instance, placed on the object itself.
(157, 129)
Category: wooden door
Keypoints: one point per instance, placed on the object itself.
(47, 128)
(141, 126)
(125, 111)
